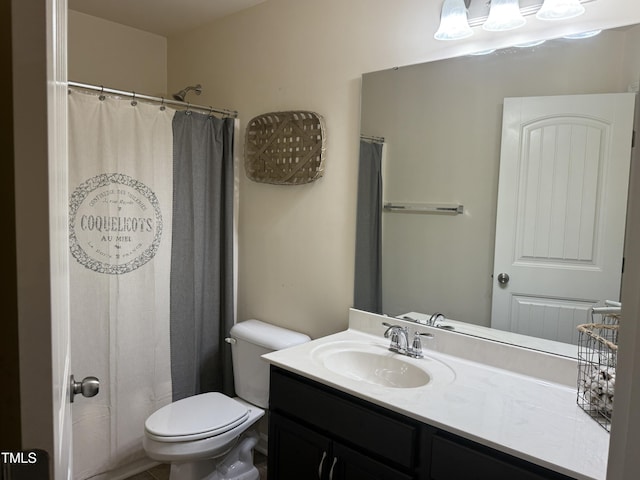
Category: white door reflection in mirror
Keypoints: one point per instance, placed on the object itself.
(562, 200)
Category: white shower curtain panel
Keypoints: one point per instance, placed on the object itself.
(120, 237)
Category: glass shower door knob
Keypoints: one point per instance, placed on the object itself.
(88, 387)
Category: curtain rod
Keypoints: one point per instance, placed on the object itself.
(161, 100)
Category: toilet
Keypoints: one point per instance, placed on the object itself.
(208, 436)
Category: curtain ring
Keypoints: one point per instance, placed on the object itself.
(162, 107)
(188, 112)
(101, 97)
(210, 111)
(134, 102)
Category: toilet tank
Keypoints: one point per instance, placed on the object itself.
(250, 340)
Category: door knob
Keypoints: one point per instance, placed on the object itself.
(503, 279)
(88, 387)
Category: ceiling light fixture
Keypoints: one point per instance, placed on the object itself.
(504, 15)
(560, 9)
(459, 17)
(453, 21)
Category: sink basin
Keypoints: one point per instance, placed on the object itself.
(385, 370)
(373, 363)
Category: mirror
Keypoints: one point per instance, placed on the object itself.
(442, 124)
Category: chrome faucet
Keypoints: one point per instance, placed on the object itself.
(400, 340)
(433, 320)
(399, 337)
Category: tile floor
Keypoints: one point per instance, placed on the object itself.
(161, 472)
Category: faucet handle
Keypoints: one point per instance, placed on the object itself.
(424, 334)
(416, 345)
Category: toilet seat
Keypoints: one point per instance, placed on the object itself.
(171, 449)
(193, 418)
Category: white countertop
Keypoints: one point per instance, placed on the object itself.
(523, 416)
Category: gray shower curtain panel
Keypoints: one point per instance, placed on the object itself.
(368, 267)
(202, 308)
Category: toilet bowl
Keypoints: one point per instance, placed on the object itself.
(203, 426)
(195, 434)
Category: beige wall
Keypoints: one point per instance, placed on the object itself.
(116, 56)
(296, 249)
(442, 125)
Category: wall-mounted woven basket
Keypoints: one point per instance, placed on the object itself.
(285, 148)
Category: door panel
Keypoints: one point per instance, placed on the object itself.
(307, 452)
(59, 244)
(562, 196)
(559, 194)
(352, 465)
(547, 317)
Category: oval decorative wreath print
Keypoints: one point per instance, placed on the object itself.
(115, 224)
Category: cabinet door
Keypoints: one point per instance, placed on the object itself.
(347, 464)
(348, 420)
(295, 452)
(452, 460)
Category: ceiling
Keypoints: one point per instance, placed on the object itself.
(162, 17)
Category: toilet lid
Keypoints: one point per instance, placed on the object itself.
(192, 418)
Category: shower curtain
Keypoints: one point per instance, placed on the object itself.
(368, 267)
(202, 284)
(122, 158)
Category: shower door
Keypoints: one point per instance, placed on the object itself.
(562, 200)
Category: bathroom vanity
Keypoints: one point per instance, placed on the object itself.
(320, 432)
(333, 415)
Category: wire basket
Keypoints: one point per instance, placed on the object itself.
(597, 360)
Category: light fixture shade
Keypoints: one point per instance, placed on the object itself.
(504, 15)
(534, 43)
(453, 21)
(560, 9)
(581, 35)
(483, 52)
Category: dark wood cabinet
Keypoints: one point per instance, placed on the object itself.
(453, 458)
(349, 464)
(312, 455)
(302, 453)
(317, 432)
